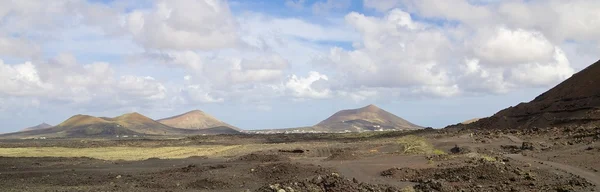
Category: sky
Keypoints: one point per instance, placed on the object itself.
(261, 64)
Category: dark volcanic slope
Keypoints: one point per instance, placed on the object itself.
(574, 101)
(367, 118)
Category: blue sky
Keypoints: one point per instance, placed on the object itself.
(277, 64)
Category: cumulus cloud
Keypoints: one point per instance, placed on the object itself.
(20, 16)
(20, 80)
(554, 18)
(18, 47)
(478, 79)
(184, 25)
(64, 79)
(197, 93)
(562, 20)
(307, 87)
(397, 52)
(141, 87)
(224, 72)
(546, 73)
(258, 24)
(505, 46)
(454, 47)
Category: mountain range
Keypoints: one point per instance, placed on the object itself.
(369, 118)
(127, 124)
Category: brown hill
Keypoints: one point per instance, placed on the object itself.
(575, 101)
(40, 126)
(195, 120)
(89, 126)
(370, 117)
(141, 124)
(81, 120)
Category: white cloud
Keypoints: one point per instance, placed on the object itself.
(477, 79)
(224, 72)
(499, 78)
(558, 20)
(543, 73)
(184, 24)
(505, 47)
(561, 20)
(255, 24)
(20, 80)
(455, 47)
(265, 62)
(17, 47)
(196, 93)
(304, 87)
(64, 79)
(401, 54)
(141, 87)
(397, 53)
(21, 16)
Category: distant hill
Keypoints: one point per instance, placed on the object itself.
(367, 118)
(196, 120)
(575, 101)
(89, 126)
(40, 126)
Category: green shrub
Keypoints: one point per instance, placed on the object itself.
(415, 145)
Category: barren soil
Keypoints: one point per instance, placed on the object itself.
(549, 160)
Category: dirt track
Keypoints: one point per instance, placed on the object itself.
(589, 176)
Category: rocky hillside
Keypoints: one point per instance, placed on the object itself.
(575, 101)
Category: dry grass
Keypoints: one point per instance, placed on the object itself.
(117, 153)
(142, 153)
(408, 189)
